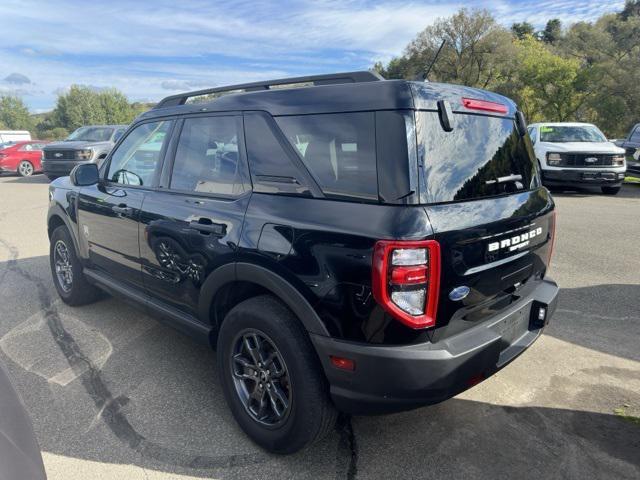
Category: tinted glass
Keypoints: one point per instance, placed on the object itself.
(92, 134)
(562, 133)
(135, 160)
(473, 160)
(635, 136)
(207, 158)
(338, 149)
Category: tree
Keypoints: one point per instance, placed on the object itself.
(631, 9)
(552, 31)
(521, 30)
(548, 87)
(84, 105)
(14, 114)
(475, 52)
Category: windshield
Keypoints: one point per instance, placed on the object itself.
(565, 133)
(91, 134)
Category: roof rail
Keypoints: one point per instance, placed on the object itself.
(333, 78)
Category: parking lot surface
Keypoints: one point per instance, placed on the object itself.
(115, 394)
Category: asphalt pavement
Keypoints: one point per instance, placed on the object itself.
(115, 394)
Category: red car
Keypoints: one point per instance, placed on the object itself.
(21, 157)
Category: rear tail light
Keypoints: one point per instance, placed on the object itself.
(484, 105)
(406, 280)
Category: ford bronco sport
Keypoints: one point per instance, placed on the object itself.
(345, 242)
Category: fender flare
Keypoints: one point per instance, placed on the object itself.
(57, 211)
(281, 288)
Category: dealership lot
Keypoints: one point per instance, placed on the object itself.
(113, 393)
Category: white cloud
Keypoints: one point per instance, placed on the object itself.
(148, 49)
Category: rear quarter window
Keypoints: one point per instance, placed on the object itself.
(467, 163)
(338, 149)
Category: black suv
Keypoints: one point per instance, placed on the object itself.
(345, 242)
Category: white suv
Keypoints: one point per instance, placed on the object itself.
(577, 155)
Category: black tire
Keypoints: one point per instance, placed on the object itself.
(311, 415)
(25, 168)
(610, 190)
(79, 291)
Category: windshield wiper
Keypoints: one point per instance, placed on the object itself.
(515, 179)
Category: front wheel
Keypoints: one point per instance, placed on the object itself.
(610, 190)
(70, 282)
(25, 168)
(271, 376)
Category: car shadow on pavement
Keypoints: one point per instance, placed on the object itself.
(108, 383)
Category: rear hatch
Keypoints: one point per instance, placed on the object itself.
(481, 190)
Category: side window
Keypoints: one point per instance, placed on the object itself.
(27, 147)
(134, 162)
(338, 149)
(635, 136)
(118, 134)
(207, 158)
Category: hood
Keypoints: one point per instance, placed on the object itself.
(582, 147)
(74, 145)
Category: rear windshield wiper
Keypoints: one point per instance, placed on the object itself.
(515, 179)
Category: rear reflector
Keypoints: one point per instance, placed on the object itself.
(474, 104)
(406, 280)
(343, 363)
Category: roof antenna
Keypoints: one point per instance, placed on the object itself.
(426, 74)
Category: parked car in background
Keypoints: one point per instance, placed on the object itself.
(23, 158)
(86, 144)
(577, 155)
(14, 136)
(631, 145)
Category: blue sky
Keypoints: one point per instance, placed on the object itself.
(150, 49)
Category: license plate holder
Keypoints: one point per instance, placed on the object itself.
(513, 327)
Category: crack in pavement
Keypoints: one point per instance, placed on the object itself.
(347, 455)
(110, 408)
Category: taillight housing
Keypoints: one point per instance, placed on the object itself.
(406, 280)
(484, 105)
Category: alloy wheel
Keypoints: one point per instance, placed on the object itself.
(63, 267)
(261, 378)
(25, 169)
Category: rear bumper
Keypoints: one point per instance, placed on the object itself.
(583, 177)
(396, 378)
(59, 168)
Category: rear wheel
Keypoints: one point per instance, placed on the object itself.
(610, 190)
(271, 376)
(25, 168)
(70, 282)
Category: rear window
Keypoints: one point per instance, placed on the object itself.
(338, 149)
(482, 157)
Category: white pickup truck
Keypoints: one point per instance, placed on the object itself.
(577, 155)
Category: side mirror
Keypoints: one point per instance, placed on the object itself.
(85, 174)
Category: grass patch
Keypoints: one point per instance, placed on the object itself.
(629, 179)
(622, 413)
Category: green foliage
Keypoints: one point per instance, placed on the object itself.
(549, 87)
(552, 31)
(521, 30)
(588, 72)
(85, 106)
(14, 114)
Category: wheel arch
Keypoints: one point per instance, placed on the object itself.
(56, 218)
(232, 283)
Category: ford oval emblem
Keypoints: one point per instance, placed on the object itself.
(459, 293)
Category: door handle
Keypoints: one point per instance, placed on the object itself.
(204, 225)
(123, 210)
